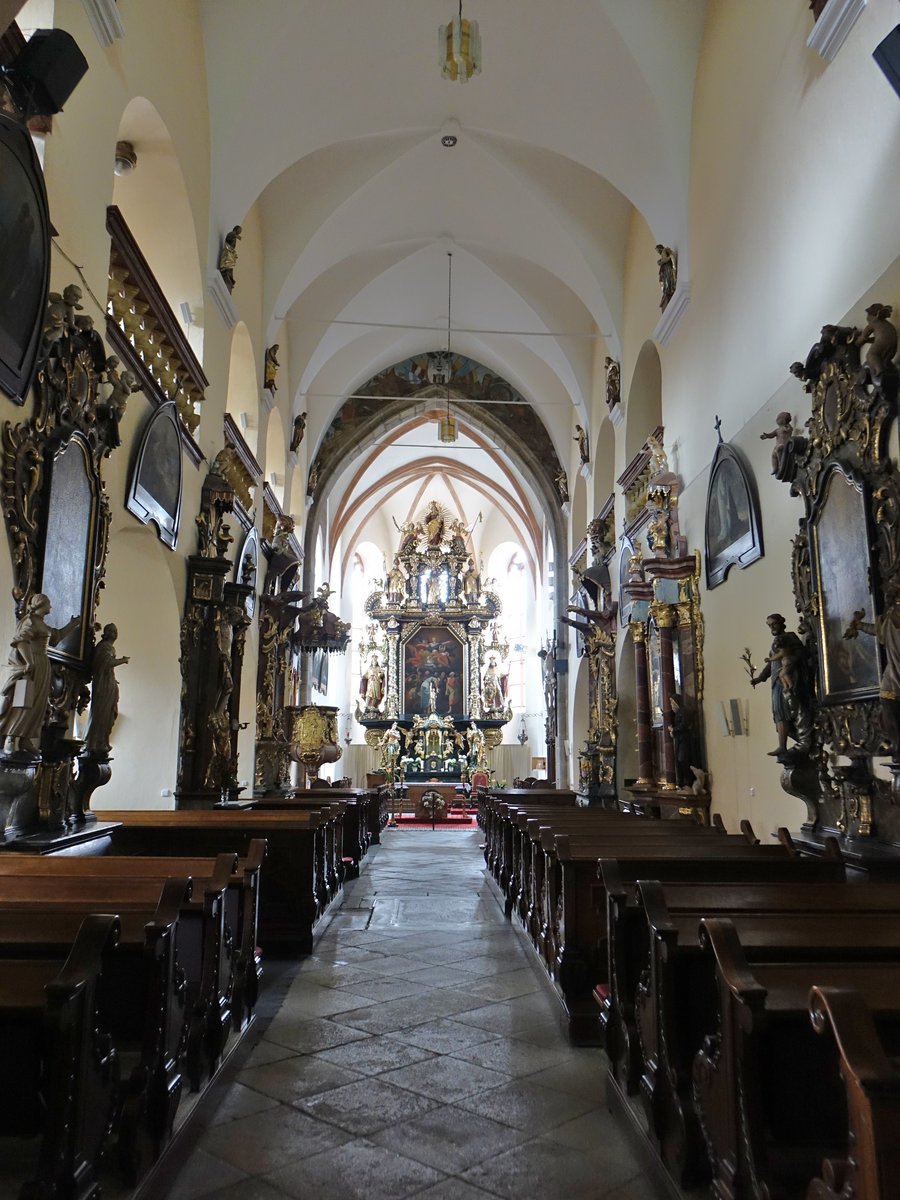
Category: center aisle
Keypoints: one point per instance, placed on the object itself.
(416, 1053)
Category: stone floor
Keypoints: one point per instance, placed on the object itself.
(416, 1053)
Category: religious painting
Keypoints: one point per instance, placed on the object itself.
(154, 496)
(733, 525)
(318, 671)
(24, 257)
(840, 538)
(433, 664)
(246, 567)
(70, 545)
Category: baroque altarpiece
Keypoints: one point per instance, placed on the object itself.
(433, 656)
(844, 685)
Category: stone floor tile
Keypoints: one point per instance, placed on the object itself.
(564, 1173)
(322, 1002)
(241, 1101)
(404, 1014)
(583, 1073)
(364, 1107)
(449, 1139)
(454, 1189)
(438, 975)
(444, 1036)
(509, 985)
(203, 1173)
(249, 1189)
(269, 1140)
(638, 1188)
(512, 1056)
(445, 1078)
(266, 1051)
(375, 1055)
(525, 1106)
(306, 1037)
(381, 988)
(361, 1170)
(288, 1081)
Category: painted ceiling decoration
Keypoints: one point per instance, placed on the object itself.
(488, 399)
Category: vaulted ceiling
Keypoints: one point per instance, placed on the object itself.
(328, 117)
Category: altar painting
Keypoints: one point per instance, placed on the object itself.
(433, 656)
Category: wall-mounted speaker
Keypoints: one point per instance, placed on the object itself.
(887, 55)
(46, 72)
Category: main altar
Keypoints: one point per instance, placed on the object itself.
(433, 692)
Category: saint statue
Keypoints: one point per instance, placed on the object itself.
(104, 692)
(613, 393)
(786, 667)
(26, 690)
(492, 697)
(228, 256)
(583, 449)
(298, 431)
(667, 274)
(886, 629)
(371, 685)
(271, 371)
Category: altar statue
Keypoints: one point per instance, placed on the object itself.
(492, 697)
(23, 700)
(104, 691)
(371, 685)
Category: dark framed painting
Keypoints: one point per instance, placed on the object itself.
(154, 494)
(246, 566)
(624, 564)
(840, 541)
(433, 654)
(71, 545)
(24, 257)
(733, 531)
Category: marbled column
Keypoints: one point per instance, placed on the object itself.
(664, 615)
(642, 704)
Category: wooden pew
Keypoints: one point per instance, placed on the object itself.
(142, 1002)
(871, 1168)
(359, 818)
(203, 955)
(628, 940)
(768, 1088)
(241, 970)
(61, 1073)
(294, 890)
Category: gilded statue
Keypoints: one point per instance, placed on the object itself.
(583, 449)
(228, 256)
(271, 371)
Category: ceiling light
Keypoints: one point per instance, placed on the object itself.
(126, 159)
(459, 49)
(449, 139)
(447, 424)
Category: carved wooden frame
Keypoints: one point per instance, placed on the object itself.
(746, 546)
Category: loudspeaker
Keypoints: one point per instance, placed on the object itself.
(47, 71)
(887, 55)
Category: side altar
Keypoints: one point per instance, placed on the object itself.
(433, 692)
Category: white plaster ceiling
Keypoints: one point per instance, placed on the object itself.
(326, 115)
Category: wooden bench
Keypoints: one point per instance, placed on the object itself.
(300, 880)
(240, 875)
(628, 941)
(768, 1089)
(871, 1168)
(360, 818)
(60, 1071)
(142, 1002)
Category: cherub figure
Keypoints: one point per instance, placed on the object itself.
(881, 337)
(782, 433)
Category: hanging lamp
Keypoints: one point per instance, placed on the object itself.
(447, 423)
(459, 49)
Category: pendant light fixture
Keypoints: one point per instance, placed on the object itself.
(459, 49)
(447, 423)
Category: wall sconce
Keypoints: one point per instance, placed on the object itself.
(522, 735)
(734, 718)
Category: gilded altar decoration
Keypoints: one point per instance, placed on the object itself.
(314, 737)
(660, 600)
(433, 649)
(57, 522)
(846, 576)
